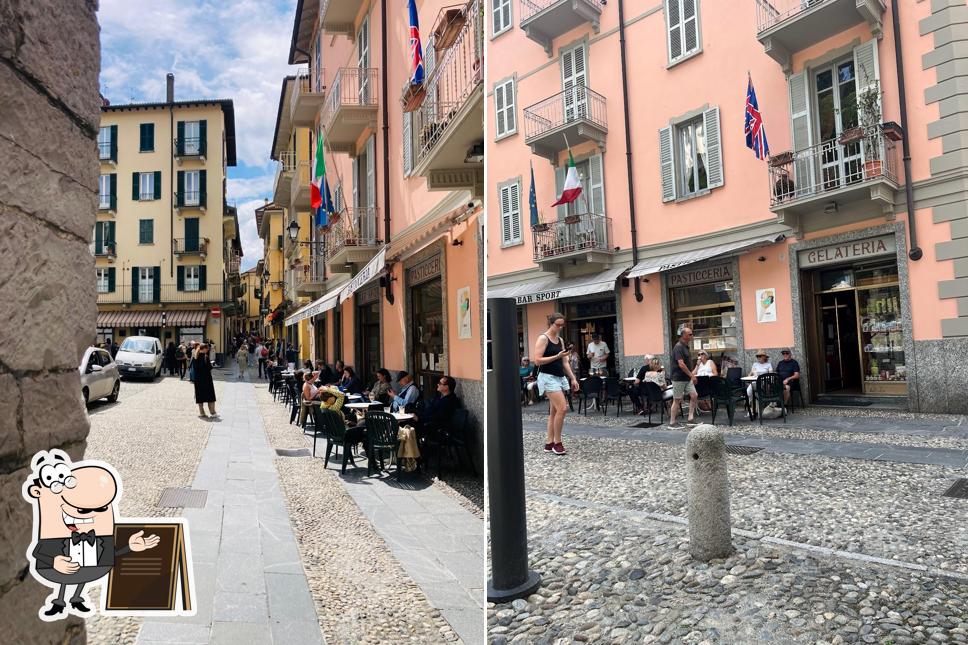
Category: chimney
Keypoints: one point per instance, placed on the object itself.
(170, 94)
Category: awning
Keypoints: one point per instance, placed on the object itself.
(314, 308)
(367, 273)
(667, 262)
(554, 288)
(173, 318)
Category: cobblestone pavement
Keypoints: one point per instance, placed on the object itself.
(607, 534)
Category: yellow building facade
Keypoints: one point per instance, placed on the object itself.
(166, 244)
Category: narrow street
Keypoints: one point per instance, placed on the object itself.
(283, 550)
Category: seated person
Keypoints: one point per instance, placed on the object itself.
(705, 366)
(408, 394)
(634, 387)
(435, 414)
(789, 370)
(528, 390)
(324, 374)
(351, 383)
(337, 376)
(380, 391)
(308, 365)
(332, 399)
(761, 366)
(655, 373)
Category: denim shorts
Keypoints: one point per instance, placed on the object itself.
(552, 383)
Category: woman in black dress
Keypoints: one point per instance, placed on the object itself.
(204, 388)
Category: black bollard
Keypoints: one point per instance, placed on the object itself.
(510, 576)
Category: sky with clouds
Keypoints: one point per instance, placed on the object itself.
(234, 49)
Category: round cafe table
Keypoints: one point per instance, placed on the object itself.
(751, 380)
(402, 416)
(357, 406)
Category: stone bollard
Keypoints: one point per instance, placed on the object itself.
(708, 493)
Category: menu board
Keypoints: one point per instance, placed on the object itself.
(153, 579)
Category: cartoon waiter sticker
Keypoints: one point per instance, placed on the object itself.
(74, 529)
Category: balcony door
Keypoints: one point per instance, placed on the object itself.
(836, 96)
(363, 59)
(146, 284)
(573, 82)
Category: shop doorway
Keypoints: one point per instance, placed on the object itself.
(838, 330)
(585, 319)
(319, 331)
(368, 326)
(428, 335)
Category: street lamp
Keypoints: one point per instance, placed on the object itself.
(293, 230)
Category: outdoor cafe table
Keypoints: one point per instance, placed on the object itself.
(752, 381)
(357, 406)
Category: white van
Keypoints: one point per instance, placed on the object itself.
(139, 356)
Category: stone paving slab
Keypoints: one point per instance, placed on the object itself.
(250, 584)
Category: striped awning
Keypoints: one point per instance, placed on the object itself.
(173, 318)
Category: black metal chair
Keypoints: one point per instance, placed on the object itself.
(381, 436)
(613, 392)
(724, 394)
(591, 388)
(336, 435)
(734, 376)
(454, 436)
(796, 389)
(651, 395)
(769, 389)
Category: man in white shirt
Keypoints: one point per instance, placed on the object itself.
(598, 355)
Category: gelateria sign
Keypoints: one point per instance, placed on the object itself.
(848, 251)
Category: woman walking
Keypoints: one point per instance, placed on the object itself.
(554, 376)
(204, 387)
(242, 358)
(181, 360)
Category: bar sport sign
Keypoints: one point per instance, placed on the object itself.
(848, 251)
(542, 296)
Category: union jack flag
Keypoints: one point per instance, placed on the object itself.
(755, 132)
(416, 53)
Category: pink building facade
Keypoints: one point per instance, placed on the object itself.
(813, 248)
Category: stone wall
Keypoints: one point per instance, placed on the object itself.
(49, 115)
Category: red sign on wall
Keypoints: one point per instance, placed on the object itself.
(216, 312)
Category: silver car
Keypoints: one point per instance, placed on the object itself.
(99, 376)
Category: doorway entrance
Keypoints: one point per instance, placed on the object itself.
(585, 319)
(428, 335)
(838, 329)
(368, 321)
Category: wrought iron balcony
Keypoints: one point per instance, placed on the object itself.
(301, 178)
(574, 115)
(785, 27)
(545, 20)
(351, 107)
(282, 185)
(352, 239)
(190, 148)
(584, 238)
(448, 146)
(190, 200)
(146, 292)
(306, 100)
(862, 166)
(107, 203)
(338, 16)
(107, 250)
(232, 265)
(309, 276)
(190, 246)
(107, 151)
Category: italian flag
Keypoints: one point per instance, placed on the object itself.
(319, 175)
(572, 187)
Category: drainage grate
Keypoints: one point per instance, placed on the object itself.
(289, 452)
(182, 498)
(741, 450)
(959, 489)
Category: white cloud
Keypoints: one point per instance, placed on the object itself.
(251, 242)
(250, 188)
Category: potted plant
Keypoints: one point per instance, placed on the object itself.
(413, 97)
(572, 219)
(540, 227)
(869, 111)
(892, 130)
(449, 23)
(780, 159)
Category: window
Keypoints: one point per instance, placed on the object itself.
(504, 108)
(192, 275)
(690, 156)
(146, 231)
(191, 188)
(104, 142)
(146, 284)
(510, 202)
(501, 10)
(102, 280)
(682, 20)
(192, 144)
(104, 191)
(146, 186)
(147, 137)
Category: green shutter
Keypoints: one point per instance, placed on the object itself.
(114, 143)
(203, 137)
(180, 143)
(134, 284)
(157, 184)
(142, 143)
(181, 278)
(156, 284)
(202, 277)
(202, 187)
(135, 176)
(181, 188)
(98, 238)
(111, 281)
(110, 235)
(114, 188)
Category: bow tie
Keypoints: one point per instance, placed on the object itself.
(87, 536)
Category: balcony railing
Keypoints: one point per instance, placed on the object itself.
(190, 147)
(350, 104)
(357, 226)
(455, 81)
(190, 246)
(106, 250)
(301, 179)
(545, 20)
(282, 185)
(107, 151)
(232, 265)
(146, 292)
(108, 203)
(816, 172)
(306, 100)
(190, 199)
(576, 114)
(308, 276)
(574, 234)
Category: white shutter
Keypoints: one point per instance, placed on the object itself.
(499, 110)
(573, 82)
(866, 68)
(407, 143)
(560, 172)
(674, 23)
(801, 126)
(667, 165)
(515, 211)
(505, 204)
(690, 25)
(714, 148)
(509, 102)
(356, 182)
(596, 182)
(430, 58)
(371, 171)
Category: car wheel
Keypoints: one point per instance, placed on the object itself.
(86, 395)
(115, 391)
